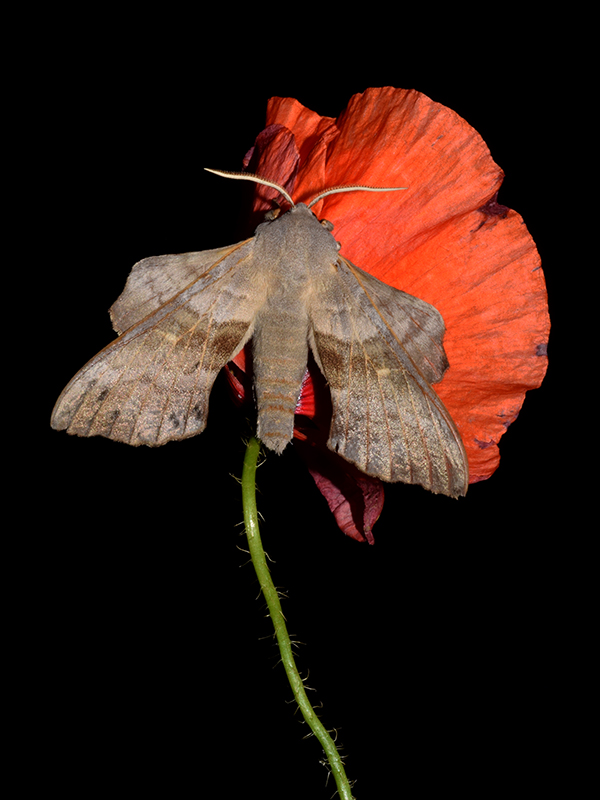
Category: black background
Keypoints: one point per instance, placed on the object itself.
(440, 653)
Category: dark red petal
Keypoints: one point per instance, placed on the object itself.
(356, 500)
(275, 157)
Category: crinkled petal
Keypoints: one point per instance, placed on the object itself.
(275, 156)
(356, 500)
(484, 277)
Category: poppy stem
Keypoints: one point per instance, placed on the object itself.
(283, 638)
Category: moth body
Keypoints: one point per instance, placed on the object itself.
(295, 250)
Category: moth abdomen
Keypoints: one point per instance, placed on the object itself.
(275, 425)
(279, 358)
(277, 385)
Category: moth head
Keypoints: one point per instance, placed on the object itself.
(248, 176)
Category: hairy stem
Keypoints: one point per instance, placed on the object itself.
(283, 639)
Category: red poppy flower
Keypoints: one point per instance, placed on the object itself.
(445, 240)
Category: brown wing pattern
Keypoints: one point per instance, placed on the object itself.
(378, 349)
(152, 384)
(155, 281)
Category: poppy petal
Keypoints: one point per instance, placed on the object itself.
(445, 239)
(356, 500)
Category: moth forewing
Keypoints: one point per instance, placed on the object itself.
(412, 324)
(155, 281)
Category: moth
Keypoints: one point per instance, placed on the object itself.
(288, 290)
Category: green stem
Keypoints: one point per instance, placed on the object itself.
(283, 638)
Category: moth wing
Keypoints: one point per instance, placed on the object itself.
(379, 349)
(417, 326)
(154, 281)
(152, 384)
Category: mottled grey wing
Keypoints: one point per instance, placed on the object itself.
(152, 384)
(154, 281)
(379, 350)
